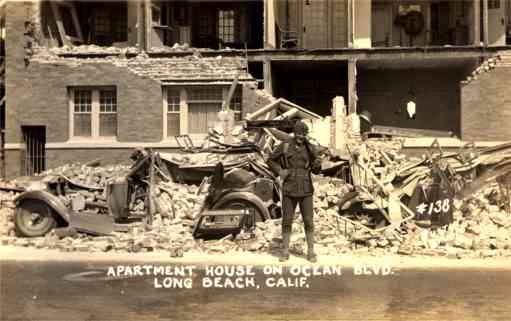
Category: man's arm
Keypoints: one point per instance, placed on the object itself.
(274, 160)
(315, 159)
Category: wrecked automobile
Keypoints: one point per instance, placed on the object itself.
(57, 201)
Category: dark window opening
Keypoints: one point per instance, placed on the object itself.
(217, 25)
(34, 153)
(85, 22)
(67, 20)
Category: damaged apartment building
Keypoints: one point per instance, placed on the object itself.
(93, 79)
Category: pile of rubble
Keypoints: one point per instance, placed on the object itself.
(89, 50)
(93, 176)
(488, 65)
(480, 229)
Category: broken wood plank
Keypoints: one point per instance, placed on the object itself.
(262, 111)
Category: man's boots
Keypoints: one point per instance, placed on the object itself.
(311, 256)
(284, 256)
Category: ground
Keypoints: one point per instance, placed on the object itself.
(41, 284)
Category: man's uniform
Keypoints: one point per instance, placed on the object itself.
(296, 161)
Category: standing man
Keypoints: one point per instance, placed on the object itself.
(293, 161)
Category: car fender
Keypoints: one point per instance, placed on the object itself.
(49, 199)
(247, 196)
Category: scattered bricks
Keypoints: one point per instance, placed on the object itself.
(63, 232)
(40, 243)
(501, 219)
(7, 240)
(463, 241)
(21, 242)
(102, 246)
(405, 250)
(474, 229)
(489, 253)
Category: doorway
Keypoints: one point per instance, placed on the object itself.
(380, 25)
(440, 13)
(34, 158)
(496, 23)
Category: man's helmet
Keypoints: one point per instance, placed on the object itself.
(300, 128)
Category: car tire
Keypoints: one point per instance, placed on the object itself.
(33, 219)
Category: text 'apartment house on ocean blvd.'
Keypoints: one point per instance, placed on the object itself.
(93, 79)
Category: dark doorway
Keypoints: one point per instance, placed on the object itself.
(440, 33)
(34, 158)
(309, 84)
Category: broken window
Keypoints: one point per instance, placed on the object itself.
(236, 104)
(226, 26)
(107, 24)
(173, 102)
(204, 102)
(94, 112)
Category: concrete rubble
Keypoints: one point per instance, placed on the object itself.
(480, 229)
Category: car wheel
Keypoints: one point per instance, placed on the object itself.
(34, 219)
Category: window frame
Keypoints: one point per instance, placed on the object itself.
(184, 106)
(95, 113)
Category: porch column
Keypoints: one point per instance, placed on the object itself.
(267, 75)
(352, 86)
(485, 22)
(269, 24)
(362, 24)
(140, 26)
(476, 39)
(148, 24)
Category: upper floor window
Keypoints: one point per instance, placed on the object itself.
(226, 25)
(493, 4)
(93, 112)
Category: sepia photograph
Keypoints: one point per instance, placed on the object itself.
(255, 160)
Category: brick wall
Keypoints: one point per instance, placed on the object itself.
(486, 106)
(437, 96)
(37, 94)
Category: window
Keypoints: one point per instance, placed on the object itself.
(93, 112)
(204, 102)
(226, 25)
(173, 102)
(236, 104)
(494, 4)
(201, 105)
(82, 113)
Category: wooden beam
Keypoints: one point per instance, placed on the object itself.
(352, 86)
(264, 110)
(66, 39)
(267, 74)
